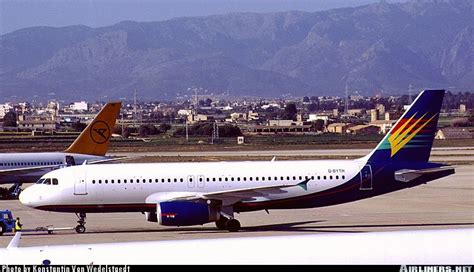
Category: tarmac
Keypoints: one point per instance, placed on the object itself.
(442, 204)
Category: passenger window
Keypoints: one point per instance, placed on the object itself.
(93, 181)
(343, 177)
(337, 177)
(324, 177)
(213, 179)
(330, 177)
(181, 179)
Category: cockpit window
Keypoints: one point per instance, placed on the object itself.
(47, 181)
(40, 181)
(55, 181)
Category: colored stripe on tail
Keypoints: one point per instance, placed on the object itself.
(94, 140)
(412, 136)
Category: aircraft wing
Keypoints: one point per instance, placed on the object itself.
(228, 197)
(113, 159)
(407, 175)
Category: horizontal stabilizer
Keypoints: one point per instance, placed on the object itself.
(407, 175)
(15, 242)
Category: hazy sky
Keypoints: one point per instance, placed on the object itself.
(17, 14)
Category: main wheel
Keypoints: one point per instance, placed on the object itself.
(233, 225)
(221, 223)
(80, 229)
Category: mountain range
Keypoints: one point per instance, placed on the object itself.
(375, 48)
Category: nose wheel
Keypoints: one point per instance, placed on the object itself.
(80, 228)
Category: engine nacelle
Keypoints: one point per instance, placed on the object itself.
(184, 213)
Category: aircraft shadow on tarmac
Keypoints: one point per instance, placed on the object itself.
(297, 227)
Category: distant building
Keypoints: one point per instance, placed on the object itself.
(383, 125)
(340, 128)
(453, 133)
(79, 106)
(272, 123)
(363, 130)
(462, 108)
(184, 112)
(314, 117)
(193, 118)
(380, 108)
(374, 115)
(251, 116)
(38, 125)
(356, 112)
(4, 109)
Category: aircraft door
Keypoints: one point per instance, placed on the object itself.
(80, 186)
(191, 181)
(366, 178)
(70, 161)
(200, 181)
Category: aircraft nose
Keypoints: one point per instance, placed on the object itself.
(28, 197)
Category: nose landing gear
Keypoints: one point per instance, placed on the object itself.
(80, 228)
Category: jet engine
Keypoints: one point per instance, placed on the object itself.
(182, 213)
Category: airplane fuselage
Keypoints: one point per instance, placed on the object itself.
(39, 160)
(133, 187)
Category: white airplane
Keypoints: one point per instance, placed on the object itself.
(90, 146)
(420, 247)
(183, 194)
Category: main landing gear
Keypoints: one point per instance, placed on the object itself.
(82, 221)
(231, 224)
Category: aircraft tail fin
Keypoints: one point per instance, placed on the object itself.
(95, 138)
(411, 138)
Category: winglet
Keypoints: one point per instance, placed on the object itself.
(94, 140)
(304, 184)
(15, 242)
